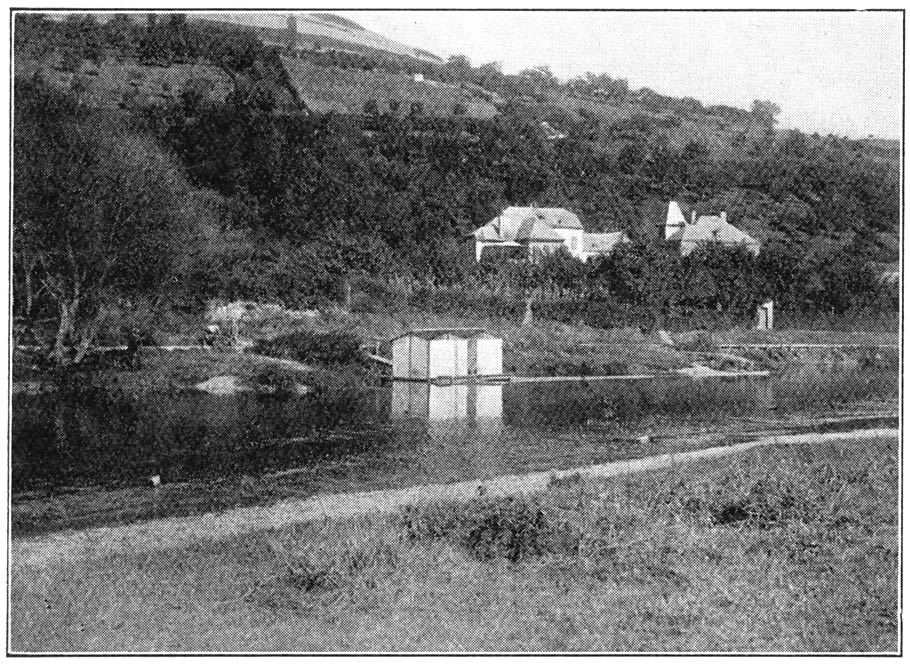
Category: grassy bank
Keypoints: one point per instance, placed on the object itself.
(328, 342)
(789, 549)
(542, 347)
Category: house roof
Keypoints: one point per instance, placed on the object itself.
(535, 229)
(594, 243)
(505, 227)
(713, 229)
(675, 216)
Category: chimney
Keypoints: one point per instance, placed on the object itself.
(723, 217)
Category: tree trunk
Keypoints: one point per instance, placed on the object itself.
(347, 295)
(528, 318)
(65, 330)
(29, 297)
(84, 345)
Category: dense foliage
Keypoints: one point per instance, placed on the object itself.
(287, 207)
(95, 214)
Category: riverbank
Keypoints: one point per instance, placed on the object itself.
(538, 348)
(778, 549)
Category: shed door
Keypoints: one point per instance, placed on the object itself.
(419, 357)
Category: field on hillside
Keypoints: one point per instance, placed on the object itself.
(324, 89)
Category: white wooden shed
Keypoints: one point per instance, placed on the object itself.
(431, 353)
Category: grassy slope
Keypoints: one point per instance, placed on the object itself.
(105, 85)
(780, 550)
(347, 90)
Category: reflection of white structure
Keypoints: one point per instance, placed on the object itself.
(475, 401)
(445, 352)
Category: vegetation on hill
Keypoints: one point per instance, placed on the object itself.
(371, 92)
(253, 202)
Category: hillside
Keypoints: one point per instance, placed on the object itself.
(356, 91)
(331, 64)
(117, 82)
(315, 32)
(337, 163)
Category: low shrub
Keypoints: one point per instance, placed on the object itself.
(280, 382)
(333, 348)
(347, 566)
(511, 528)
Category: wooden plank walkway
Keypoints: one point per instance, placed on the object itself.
(802, 346)
(663, 374)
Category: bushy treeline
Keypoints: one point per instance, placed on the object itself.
(399, 196)
(652, 280)
(234, 199)
(166, 38)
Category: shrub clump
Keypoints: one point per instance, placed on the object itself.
(350, 566)
(333, 348)
(511, 528)
(276, 381)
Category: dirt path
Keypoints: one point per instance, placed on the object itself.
(176, 532)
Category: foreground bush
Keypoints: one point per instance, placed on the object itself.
(336, 347)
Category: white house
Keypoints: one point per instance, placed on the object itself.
(704, 229)
(543, 230)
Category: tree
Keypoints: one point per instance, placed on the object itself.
(459, 67)
(540, 79)
(94, 215)
(765, 112)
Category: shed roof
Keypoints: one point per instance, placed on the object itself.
(436, 332)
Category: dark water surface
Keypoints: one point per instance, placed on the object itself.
(85, 459)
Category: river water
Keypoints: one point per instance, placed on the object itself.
(86, 459)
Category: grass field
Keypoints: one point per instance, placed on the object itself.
(790, 549)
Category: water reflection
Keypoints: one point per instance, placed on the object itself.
(346, 438)
(411, 399)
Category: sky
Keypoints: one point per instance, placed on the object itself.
(830, 72)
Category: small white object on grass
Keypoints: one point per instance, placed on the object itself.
(644, 440)
(155, 481)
